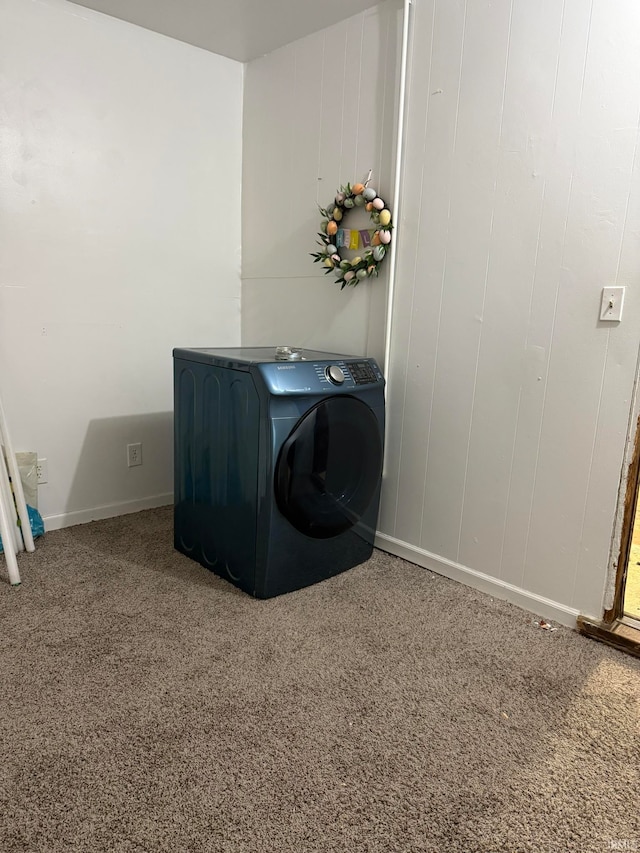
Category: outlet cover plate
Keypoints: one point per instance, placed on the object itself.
(42, 469)
(134, 454)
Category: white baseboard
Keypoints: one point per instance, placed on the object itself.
(82, 516)
(536, 604)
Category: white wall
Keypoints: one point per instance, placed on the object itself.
(318, 113)
(508, 400)
(120, 173)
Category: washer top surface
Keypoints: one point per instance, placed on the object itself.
(298, 372)
(236, 356)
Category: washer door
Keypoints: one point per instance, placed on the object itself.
(329, 468)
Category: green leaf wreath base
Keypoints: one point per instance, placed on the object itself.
(352, 272)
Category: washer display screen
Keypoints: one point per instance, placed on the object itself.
(362, 372)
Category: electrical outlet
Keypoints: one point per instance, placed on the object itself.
(134, 454)
(42, 470)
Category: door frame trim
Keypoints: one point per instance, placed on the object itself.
(616, 608)
(615, 629)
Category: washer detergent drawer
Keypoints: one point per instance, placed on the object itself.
(216, 433)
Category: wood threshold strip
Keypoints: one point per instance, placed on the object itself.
(617, 633)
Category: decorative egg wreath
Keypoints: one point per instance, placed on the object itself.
(334, 236)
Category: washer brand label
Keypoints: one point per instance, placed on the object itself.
(286, 367)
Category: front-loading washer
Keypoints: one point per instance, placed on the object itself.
(278, 463)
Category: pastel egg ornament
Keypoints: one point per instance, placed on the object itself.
(378, 203)
(385, 237)
(385, 217)
(369, 194)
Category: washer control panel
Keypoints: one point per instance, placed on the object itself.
(342, 375)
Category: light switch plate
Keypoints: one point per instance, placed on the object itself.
(612, 302)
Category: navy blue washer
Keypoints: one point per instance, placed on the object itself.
(278, 464)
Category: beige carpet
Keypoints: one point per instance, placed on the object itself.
(147, 705)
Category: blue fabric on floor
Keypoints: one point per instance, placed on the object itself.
(36, 522)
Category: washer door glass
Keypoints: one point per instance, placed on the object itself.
(329, 467)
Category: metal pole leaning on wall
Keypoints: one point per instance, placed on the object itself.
(397, 204)
(397, 200)
(10, 506)
(10, 512)
(8, 542)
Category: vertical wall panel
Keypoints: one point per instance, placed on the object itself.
(401, 509)
(508, 400)
(509, 365)
(334, 93)
(267, 145)
(476, 158)
(603, 161)
(552, 142)
(461, 137)
(574, 369)
(355, 97)
(317, 115)
(383, 78)
(301, 145)
(434, 81)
